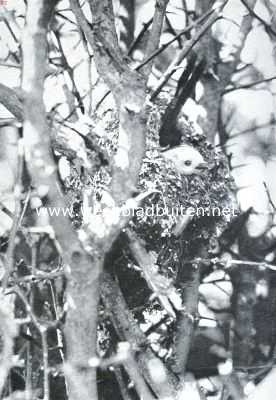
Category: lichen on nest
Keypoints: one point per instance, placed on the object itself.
(213, 188)
(170, 190)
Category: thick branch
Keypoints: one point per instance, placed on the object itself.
(128, 329)
(244, 300)
(35, 130)
(128, 89)
(103, 16)
(10, 99)
(8, 332)
(155, 33)
(154, 280)
(244, 280)
(170, 131)
(266, 388)
(101, 36)
(81, 320)
(187, 319)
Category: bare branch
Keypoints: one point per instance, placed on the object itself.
(10, 99)
(186, 49)
(177, 37)
(159, 286)
(17, 217)
(248, 85)
(265, 389)
(135, 42)
(35, 129)
(255, 15)
(155, 33)
(122, 385)
(170, 130)
(161, 48)
(43, 334)
(187, 318)
(232, 383)
(233, 263)
(102, 37)
(83, 278)
(103, 20)
(127, 329)
(136, 376)
(70, 72)
(128, 89)
(8, 332)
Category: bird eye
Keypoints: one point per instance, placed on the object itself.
(188, 163)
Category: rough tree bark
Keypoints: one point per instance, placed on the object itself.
(84, 260)
(83, 269)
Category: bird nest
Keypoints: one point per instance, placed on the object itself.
(167, 189)
(212, 189)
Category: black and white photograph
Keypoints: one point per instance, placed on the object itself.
(137, 199)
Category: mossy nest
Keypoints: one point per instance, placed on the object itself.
(213, 189)
(169, 190)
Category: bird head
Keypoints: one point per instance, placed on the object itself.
(186, 158)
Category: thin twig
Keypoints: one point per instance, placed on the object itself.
(46, 386)
(214, 16)
(269, 197)
(70, 71)
(248, 85)
(232, 263)
(5, 210)
(38, 276)
(140, 35)
(255, 15)
(262, 265)
(17, 217)
(42, 330)
(58, 13)
(165, 45)
(173, 32)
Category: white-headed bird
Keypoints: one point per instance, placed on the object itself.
(186, 158)
(187, 161)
